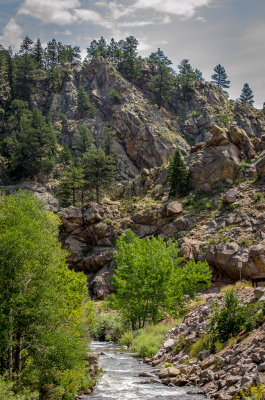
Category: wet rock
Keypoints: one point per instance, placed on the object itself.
(146, 374)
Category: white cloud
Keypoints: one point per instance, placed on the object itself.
(66, 33)
(12, 35)
(185, 8)
(84, 15)
(143, 47)
(201, 19)
(60, 12)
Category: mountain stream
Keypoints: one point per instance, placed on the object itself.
(120, 380)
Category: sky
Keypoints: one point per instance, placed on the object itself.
(207, 32)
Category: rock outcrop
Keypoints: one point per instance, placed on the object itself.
(223, 374)
(217, 161)
(144, 136)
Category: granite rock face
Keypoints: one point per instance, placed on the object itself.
(144, 136)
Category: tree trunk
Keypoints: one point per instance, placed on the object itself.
(97, 192)
(20, 342)
(10, 347)
(74, 200)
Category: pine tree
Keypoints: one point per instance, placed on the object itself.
(24, 68)
(85, 107)
(129, 66)
(70, 186)
(51, 53)
(247, 94)
(187, 75)
(98, 49)
(178, 174)
(38, 53)
(162, 83)
(108, 142)
(65, 156)
(112, 49)
(99, 170)
(36, 145)
(92, 50)
(220, 78)
(83, 139)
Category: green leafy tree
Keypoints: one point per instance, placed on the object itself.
(85, 107)
(247, 94)
(149, 280)
(220, 78)
(44, 307)
(178, 174)
(228, 319)
(99, 170)
(162, 83)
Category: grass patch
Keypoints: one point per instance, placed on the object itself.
(151, 338)
(237, 286)
(196, 303)
(203, 343)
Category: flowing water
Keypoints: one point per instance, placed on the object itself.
(120, 380)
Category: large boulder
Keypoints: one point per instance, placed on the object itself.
(213, 167)
(260, 164)
(239, 137)
(218, 161)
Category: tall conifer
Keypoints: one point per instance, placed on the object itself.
(178, 174)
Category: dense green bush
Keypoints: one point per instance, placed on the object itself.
(108, 327)
(115, 96)
(229, 318)
(203, 343)
(149, 340)
(126, 339)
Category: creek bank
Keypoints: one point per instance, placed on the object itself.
(93, 371)
(223, 374)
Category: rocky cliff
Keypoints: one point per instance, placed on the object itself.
(145, 135)
(238, 366)
(221, 220)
